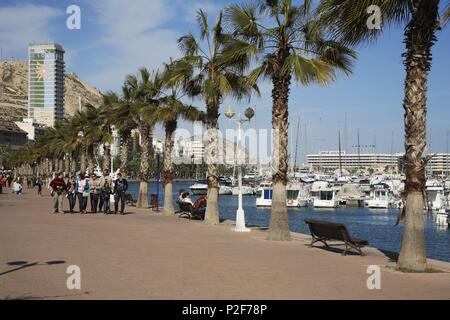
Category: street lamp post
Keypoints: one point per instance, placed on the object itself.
(240, 214)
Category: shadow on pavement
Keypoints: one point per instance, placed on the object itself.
(25, 264)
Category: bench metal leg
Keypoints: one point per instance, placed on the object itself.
(315, 239)
(349, 246)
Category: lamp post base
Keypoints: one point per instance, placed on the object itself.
(240, 222)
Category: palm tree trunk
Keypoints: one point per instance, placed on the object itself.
(50, 165)
(211, 150)
(73, 163)
(134, 143)
(170, 127)
(106, 157)
(142, 201)
(279, 224)
(67, 164)
(90, 158)
(83, 159)
(124, 154)
(419, 38)
(60, 164)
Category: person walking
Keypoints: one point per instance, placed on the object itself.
(71, 192)
(10, 179)
(82, 192)
(120, 187)
(95, 189)
(106, 194)
(105, 180)
(39, 184)
(29, 181)
(58, 186)
(17, 186)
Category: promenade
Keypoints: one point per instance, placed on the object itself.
(143, 255)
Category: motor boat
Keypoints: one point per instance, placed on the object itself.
(303, 198)
(442, 218)
(264, 193)
(292, 191)
(200, 187)
(296, 195)
(246, 191)
(350, 195)
(225, 187)
(379, 197)
(324, 196)
(435, 195)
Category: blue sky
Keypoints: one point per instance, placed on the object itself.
(117, 37)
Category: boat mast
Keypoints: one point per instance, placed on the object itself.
(296, 144)
(340, 156)
(446, 158)
(359, 153)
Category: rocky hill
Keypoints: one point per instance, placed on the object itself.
(14, 91)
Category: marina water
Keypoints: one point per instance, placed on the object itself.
(375, 225)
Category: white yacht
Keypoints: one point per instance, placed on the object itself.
(435, 195)
(264, 198)
(246, 191)
(200, 187)
(442, 218)
(324, 196)
(264, 195)
(379, 197)
(292, 191)
(303, 198)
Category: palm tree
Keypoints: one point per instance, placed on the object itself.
(347, 21)
(288, 42)
(214, 78)
(171, 109)
(123, 114)
(143, 93)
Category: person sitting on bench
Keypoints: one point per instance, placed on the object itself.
(198, 207)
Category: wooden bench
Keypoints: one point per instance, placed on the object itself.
(323, 231)
(186, 210)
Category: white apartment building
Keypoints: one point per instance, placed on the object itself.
(329, 160)
(439, 164)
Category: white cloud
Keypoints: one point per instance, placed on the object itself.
(123, 19)
(22, 24)
(132, 35)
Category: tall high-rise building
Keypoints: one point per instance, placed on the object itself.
(46, 83)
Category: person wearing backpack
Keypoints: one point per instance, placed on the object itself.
(120, 187)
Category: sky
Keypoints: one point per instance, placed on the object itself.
(118, 37)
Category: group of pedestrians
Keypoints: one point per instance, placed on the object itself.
(82, 188)
(16, 183)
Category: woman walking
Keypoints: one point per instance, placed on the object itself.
(82, 192)
(72, 187)
(39, 184)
